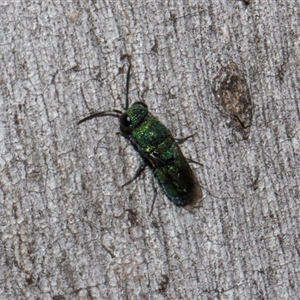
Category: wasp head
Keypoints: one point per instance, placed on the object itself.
(132, 117)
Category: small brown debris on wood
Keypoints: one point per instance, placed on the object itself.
(233, 99)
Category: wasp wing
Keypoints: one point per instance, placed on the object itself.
(175, 175)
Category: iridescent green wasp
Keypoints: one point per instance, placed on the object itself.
(158, 149)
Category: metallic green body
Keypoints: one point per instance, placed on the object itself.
(158, 148)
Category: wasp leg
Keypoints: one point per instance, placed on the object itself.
(137, 173)
(180, 141)
(194, 162)
(155, 193)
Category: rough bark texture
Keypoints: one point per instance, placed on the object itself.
(67, 228)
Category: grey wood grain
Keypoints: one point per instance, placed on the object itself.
(67, 228)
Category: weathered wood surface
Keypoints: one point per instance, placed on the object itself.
(68, 229)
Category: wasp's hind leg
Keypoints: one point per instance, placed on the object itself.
(182, 140)
(137, 173)
(194, 162)
(155, 193)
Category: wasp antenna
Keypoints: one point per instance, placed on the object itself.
(112, 113)
(127, 87)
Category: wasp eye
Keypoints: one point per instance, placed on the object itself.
(125, 120)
